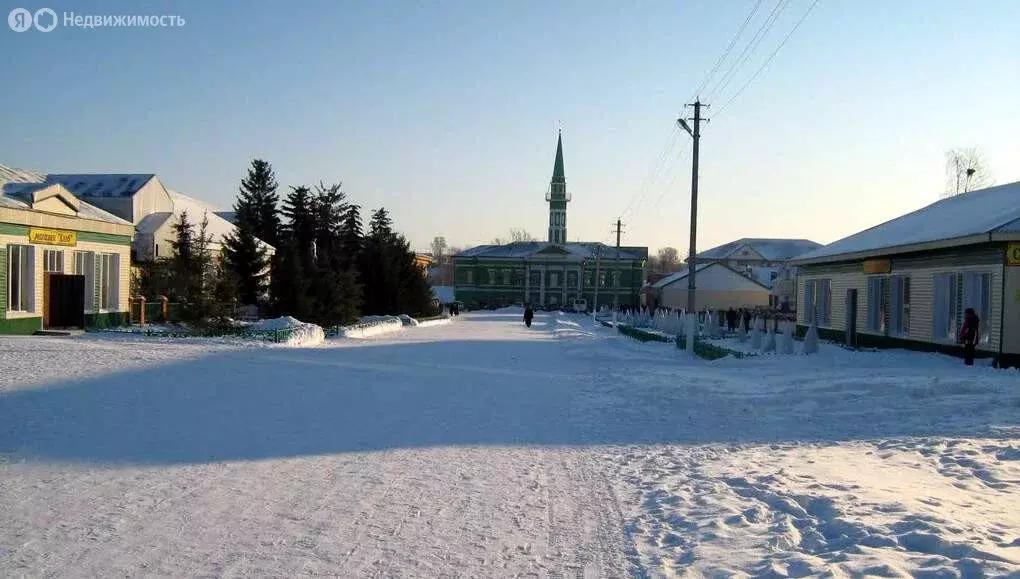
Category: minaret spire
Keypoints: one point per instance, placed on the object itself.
(558, 197)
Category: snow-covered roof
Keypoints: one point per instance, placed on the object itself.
(982, 212)
(679, 275)
(682, 274)
(101, 185)
(19, 194)
(770, 249)
(576, 250)
(218, 227)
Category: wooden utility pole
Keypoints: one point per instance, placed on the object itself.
(691, 259)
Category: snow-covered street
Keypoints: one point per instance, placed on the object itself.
(484, 449)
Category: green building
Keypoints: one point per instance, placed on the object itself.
(553, 272)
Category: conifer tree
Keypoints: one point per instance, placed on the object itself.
(246, 262)
(257, 203)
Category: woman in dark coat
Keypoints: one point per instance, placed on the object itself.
(969, 335)
(529, 314)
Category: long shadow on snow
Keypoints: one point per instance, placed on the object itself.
(271, 403)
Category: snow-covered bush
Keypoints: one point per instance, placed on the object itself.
(786, 345)
(770, 339)
(811, 339)
(292, 331)
(372, 326)
(756, 334)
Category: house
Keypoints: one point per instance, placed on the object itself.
(423, 261)
(63, 262)
(906, 282)
(719, 287)
(141, 199)
(766, 261)
(550, 273)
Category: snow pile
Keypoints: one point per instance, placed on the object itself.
(299, 334)
(408, 320)
(370, 326)
(435, 322)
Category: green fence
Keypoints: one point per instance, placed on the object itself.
(275, 335)
(702, 349)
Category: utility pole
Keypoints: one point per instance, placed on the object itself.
(598, 270)
(616, 290)
(691, 260)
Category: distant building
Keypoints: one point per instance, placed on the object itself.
(906, 282)
(719, 287)
(64, 263)
(140, 199)
(552, 273)
(423, 261)
(766, 261)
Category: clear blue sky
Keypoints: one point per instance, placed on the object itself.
(446, 112)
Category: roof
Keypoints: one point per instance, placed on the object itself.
(769, 249)
(558, 175)
(101, 185)
(218, 227)
(20, 195)
(682, 274)
(955, 219)
(679, 275)
(574, 250)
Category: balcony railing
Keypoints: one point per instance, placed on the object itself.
(549, 196)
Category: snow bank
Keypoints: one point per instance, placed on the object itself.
(300, 334)
(370, 326)
(434, 322)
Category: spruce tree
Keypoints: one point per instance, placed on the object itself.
(300, 228)
(245, 259)
(257, 203)
(351, 236)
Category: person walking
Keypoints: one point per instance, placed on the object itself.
(969, 335)
(529, 314)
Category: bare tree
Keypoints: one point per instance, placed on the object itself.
(668, 259)
(966, 170)
(439, 249)
(516, 235)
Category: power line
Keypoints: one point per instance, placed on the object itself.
(676, 174)
(653, 173)
(749, 49)
(769, 60)
(726, 52)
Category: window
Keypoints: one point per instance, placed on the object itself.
(469, 277)
(554, 279)
(20, 278)
(818, 302)
(899, 313)
(85, 264)
(506, 277)
(602, 279)
(53, 261)
(878, 304)
(535, 279)
(571, 279)
(954, 293)
(108, 281)
(492, 277)
(977, 294)
(616, 279)
(517, 279)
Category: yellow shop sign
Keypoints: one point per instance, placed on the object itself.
(53, 237)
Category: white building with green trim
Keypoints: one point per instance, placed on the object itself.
(63, 262)
(554, 272)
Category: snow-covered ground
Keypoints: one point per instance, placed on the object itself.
(485, 449)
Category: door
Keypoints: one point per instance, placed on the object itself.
(851, 318)
(65, 301)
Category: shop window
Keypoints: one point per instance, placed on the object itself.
(818, 302)
(108, 281)
(85, 264)
(20, 278)
(954, 293)
(53, 261)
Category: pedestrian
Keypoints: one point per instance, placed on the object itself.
(969, 335)
(731, 319)
(747, 320)
(529, 314)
